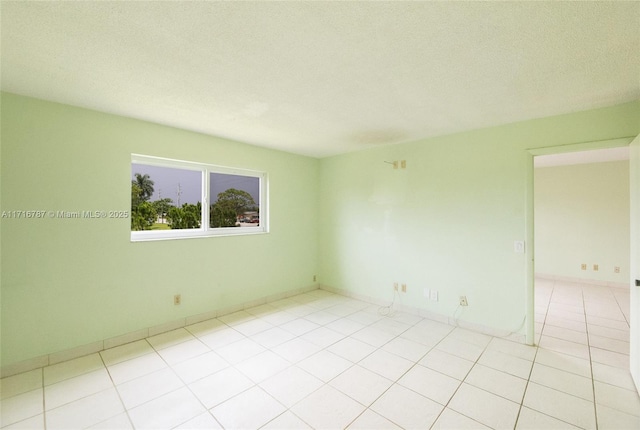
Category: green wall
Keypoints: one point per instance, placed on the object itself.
(449, 221)
(70, 282)
(582, 216)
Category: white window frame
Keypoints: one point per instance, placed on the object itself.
(205, 230)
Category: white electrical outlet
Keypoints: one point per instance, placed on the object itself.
(434, 295)
(463, 301)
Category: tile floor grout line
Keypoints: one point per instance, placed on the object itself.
(391, 330)
(593, 383)
(168, 366)
(461, 381)
(115, 388)
(44, 410)
(619, 307)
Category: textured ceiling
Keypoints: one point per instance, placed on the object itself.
(323, 78)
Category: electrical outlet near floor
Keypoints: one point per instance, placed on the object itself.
(177, 299)
(595, 268)
(583, 266)
(616, 269)
(395, 286)
(463, 301)
(404, 288)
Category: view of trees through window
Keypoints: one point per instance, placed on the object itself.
(165, 198)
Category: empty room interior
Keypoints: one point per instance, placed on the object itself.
(320, 215)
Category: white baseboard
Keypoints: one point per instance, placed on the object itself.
(101, 345)
(582, 281)
(516, 337)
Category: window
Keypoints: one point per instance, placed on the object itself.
(173, 199)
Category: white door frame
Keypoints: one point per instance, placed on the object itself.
(529, 214)
(634, 272)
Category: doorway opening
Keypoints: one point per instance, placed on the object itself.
(580, 288)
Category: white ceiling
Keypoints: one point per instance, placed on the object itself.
(582, 157)
(324, 78)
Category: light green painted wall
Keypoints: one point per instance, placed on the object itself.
(582, 216)
(71, 282)
(448, 222)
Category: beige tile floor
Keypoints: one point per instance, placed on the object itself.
(320, 360)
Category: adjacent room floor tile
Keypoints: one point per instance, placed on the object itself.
(565, 362)
(613, 376)
(560, 380)
(609, 418)
(562, 406)
(617, 398)
(564, 346)
(610, 358)
(534, 420)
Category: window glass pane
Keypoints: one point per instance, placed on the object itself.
(235, 200)
(164, 198)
